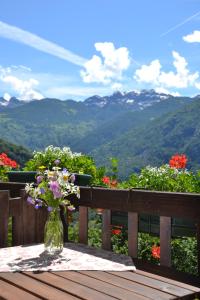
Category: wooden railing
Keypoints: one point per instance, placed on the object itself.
(28, 223)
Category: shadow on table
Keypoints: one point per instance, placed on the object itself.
(44, 260)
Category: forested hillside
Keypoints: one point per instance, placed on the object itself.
(137, 128)
(157, 141)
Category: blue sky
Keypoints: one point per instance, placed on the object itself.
(73, 49)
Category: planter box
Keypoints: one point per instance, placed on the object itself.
(82, 179)
(22, 176)
(29, 176)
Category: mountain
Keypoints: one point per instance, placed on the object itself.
(13, 102)
(131, 119)
(114, 125)
(156, 141)
(134, 100)
(18, 153)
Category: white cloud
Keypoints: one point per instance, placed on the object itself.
(34, 41)
(21, 82)
(181, 78)
(78, 92)
(149, 73)
(6, 96)
(193, 37)
(23, 89)
(108, 67)
(162, 90)
(21, 67)
(116, 86)
(197, 85)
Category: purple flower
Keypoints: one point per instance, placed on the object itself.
(72, 178)
(55, 188)
(49, 208)
(38, 203)
(57, 194)
(57, 161)
(39, 179)
(30, 200)
(42, 190)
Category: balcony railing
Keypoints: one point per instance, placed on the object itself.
(28, 223)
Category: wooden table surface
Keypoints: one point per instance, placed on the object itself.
(93, 285)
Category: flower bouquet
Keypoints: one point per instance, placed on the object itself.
(52, 190)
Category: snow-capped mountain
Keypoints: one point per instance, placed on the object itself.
(136, 100)
(13, 102)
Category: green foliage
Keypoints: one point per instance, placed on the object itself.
(73, 162)
(120, 242)
(184, 254)
(136, 138)
(94, 229)
(145, 243)
(184, 250)
(114, 168)
(164, 178)
(153, 142)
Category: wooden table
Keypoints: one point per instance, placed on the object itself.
(28, 272)
(93, 285)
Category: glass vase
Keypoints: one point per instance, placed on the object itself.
(53, 233)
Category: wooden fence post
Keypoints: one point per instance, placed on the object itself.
(106, 229)
(83, 224)
(4, 216)
(198, 247)
(17, 221)
(29, 220)
(132, 234)
(165, 241)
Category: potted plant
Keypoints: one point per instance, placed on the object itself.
(81, 165)
(6, 165)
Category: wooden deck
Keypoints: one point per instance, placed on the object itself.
(93, 285)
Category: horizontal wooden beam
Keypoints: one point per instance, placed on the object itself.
(180, 205)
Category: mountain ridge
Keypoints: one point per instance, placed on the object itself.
(96, 99)
(154, 144)
(99, 126)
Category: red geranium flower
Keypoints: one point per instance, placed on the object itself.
(111, 183)
(106, 180)
(155, 251)
(116, 231)
(7, 162)
(178, 161)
